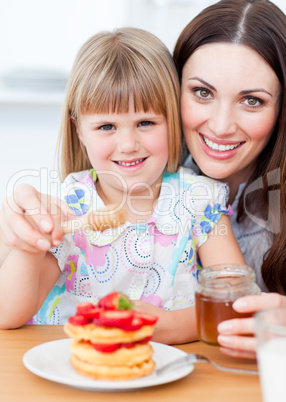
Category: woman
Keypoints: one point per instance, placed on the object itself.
(231, 61)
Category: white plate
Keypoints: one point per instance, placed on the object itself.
(51, 361)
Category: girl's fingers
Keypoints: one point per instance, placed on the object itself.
(24, 236)
(35, 205)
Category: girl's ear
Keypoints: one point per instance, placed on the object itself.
(78, 130)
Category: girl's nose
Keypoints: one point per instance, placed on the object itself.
(128, 141)
(222, 121)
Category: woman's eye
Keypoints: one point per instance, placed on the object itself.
(107, 127)
(202, 93)
(252, 101)
(145, 123)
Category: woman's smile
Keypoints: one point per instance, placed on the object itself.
(228, 114)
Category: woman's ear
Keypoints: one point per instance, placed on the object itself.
(78, 130)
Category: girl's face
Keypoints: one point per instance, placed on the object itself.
(129, 151)
(229, 106)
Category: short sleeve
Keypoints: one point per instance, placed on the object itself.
(204, 200)
(212, 210)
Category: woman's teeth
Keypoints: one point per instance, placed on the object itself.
(131, 163)
(217, 147)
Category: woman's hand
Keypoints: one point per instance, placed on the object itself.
(30, 221)
(232, 333)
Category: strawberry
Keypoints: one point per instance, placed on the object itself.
(145, 340)
(147, 319)
(106, 348)
(115, 301)
(116, 318)
(92, 313)
(79, 320)
(135, 324)
(83, 307)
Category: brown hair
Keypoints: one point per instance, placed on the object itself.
(110, 68)
(260, 25)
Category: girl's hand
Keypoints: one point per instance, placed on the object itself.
(232, 333)
(30, 221)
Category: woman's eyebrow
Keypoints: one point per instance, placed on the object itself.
(203, 82)
(248, 91)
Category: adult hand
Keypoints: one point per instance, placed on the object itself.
(233, 333)
(30, 220)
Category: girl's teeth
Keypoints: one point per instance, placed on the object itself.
(131, 163)
(220, 148)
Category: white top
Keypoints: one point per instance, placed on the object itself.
(254, 240)
(154, 261)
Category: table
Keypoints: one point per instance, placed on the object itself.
(205, 383)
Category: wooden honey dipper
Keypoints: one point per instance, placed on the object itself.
(109, 217)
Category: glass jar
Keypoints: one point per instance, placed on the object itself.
(218, 287)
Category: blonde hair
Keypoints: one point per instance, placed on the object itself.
(110, 68)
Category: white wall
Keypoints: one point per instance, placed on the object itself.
(38, 42)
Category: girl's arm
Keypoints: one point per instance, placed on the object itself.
(179, 326)
(221, 246)
(25, 281)
(173, 327)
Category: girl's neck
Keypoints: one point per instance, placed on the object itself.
(139, 206)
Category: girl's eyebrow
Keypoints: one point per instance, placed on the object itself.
(203, 82)
(244, 92)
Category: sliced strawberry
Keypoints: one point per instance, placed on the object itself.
(115, 301)
(135, 324)
(97, 322)
(147, 319)
(79, 320)
(82, 308)
(145, 340)
(92, 313)
(128, 345)
(116, 318)
(105, 348)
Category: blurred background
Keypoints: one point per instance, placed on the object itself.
(38, 43)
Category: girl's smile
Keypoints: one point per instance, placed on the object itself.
(129, 151)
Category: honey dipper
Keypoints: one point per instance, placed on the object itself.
(109, 217)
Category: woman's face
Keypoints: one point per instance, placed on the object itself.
(229, 106)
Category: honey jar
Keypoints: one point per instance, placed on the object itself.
(218, 287)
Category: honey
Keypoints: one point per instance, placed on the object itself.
(218, 287)
(210, 312)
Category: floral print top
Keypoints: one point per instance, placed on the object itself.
(156, 261)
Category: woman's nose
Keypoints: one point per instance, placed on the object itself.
(128, 141)
(222, 120)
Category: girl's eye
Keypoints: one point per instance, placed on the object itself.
(107, 127)
(252, 101)
(145, 123)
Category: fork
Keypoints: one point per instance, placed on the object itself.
(194, 358)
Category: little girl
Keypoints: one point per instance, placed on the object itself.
(120, 142)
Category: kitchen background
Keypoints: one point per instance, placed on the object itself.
(38, 42)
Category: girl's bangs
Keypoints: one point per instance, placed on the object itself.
(119, 93)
